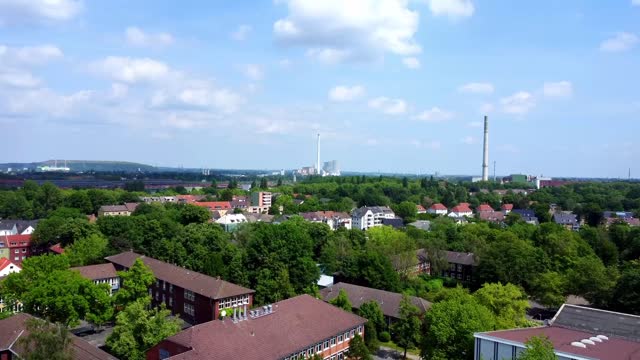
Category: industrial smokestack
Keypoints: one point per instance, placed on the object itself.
(318, 171)
(485, 153)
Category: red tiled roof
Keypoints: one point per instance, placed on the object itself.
(438, 206)
(612, 349)
(202, 284)
(57, 248)
(17, 239)
(491, 215)
(485, 207)
(294, 325)
(461, 208)
(420, 208)
(97, 272)
(507, 206)
(214, 205)
(4, 262)
(14, 327)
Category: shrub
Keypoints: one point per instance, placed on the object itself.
(384, 336)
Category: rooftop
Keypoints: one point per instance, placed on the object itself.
(295, 324)
(202, 284)
(358, 295)
(97, 272)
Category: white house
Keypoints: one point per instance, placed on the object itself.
(7, 267)
(437, 209)
(367, 217)
(231, 221)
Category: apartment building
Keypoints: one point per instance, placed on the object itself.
(101, 274)
(369, 216)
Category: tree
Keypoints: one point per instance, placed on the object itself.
(626, 294)
(138, 328)
(591, 279)
(358, 349)
(449, 327)
(264, 184)
(549, 289)
(507, 302)
(512, 261)
(372, 311)
(79, 200)
(46, 341)
(538, 348)
(134, 283)
(49, 197)
(341, 301)
(406, 330)
(87, 251)
(194, 214)
(279, 182)
(406, 210)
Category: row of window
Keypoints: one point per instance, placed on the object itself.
(164, 285)
(233, 301)
(189, 309)
(17, 258)
(325, 345)
(17, 251)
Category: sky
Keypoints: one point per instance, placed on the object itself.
(391, 85)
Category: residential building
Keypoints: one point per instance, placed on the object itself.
(261, 199)
(252, 218)
(460, 265)
(527, 215)
(438, 209)
(8, 228)
(333, 219)
(389, 301)
(397, 223)
(576, 332)
(506, 208)
(196, 297)
(421, 224)
(17, 227)
(566, 219)
(159, 199)
(631, 221)
(7, 267)
(296, 328)
(18, 246)
(324, 281)
(14, 328)
(366, 217)
(240, 202)
(420, 209)
(617, 214)
(189, 198)
(101, 274)
(221, 206)
(56, 249)
(231, 221)
(117, 210)
(461, 210)
(491, 216)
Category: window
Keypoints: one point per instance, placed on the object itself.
(188, 295)
(164, 285)
(333, 341)
(339, 338)
(24, 250)
(326, 344)
(360, 329)
(318, 348)
(17, 258)
(163, 298)
(170, 301)
(157, 283)
(352, 333)
(170, 288)
(309, 352)
(163, 354)
(346, 335)
(17, 251)
(188, 309)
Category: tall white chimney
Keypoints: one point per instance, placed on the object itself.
(318, 170)
(485, 153)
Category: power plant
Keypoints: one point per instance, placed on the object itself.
(328, 168)
(485, 153)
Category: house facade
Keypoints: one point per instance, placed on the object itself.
(117, 210)
(461, 210)
(369, 216)
(460, 265)
(7, 267)
(16, 247)
(437, 209)
(333, 219)
(101, 274)
(195, 297)
(292, 329)
(230, 222)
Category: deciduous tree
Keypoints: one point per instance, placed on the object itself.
(134, 283)
(46, 341)
(341, 301)
(538, 348)
(406, 330)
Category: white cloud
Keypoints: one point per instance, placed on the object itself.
(36, 102)
(18, 79)
(560, 89)
(469, 140)
(508, 148)
(37, 11)
(29, 55)
(411, 62)
(137, 37)
(131, 70)
(389, 106)
(336, 30)
(519, 103)
(620, 42)
(346, 93)
(635, 2)
(253, 72)
(435, 114)
(118, 91)
(486, 108)
(476, 88)
(241, 33)
(197, 96)
(454, 9)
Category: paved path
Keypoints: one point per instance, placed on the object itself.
(386, 353)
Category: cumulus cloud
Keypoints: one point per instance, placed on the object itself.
(622, 41)
(118, 91)
(389, 106)
(519, 103)
(18, 78)
(435, 114)
(253, 72)
(336, 31)
(477, 88)
(29, 55)
(560, 89)
(343, 93)
(411, 62)
(36, 102)
(37, 11)
(454, 9)
(241, 33)
(131, 70)
(137, 37)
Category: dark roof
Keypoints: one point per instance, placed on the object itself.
(395, 222)
(358, 295)
(204, 285)
(294, 325)
(22, 225)
(97, 272)
(7, 225)
(461, 258)
(612, 349)
(617, 214)
(524, 212)
(565, 219)
(598, 321)
(113, 208)
(14, 327)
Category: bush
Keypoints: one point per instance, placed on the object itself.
(384, 336)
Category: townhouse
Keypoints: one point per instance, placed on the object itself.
(460, 265)
(333, 219)
(461, 210)
(16, 248)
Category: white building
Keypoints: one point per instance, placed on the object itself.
(231, 221)
(366, 217)
(101, 274)
(437, 209)
(7, 267)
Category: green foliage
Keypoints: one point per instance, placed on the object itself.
(406, 330)
(342, 301)
(194, 214)
(507, 303)
(371, 337)
(626, 294)
(549, 289)
(407, 210)
(139, 328)
(46, 341)
(134, 283)
(358, 349)
(384, 336)
(88, 251)
(538, 348)
(372, 311)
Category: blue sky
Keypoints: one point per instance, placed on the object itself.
(392, 85)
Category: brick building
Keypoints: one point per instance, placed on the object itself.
(16, 248)
(101, 274)
(196, 297)
(295, 328)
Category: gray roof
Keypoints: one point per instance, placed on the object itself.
(524, 212)
(565, 219)
(422, 224)
(358, 295)
(395, 222)
(113, 208)
(22, 225)
(7, 225)
(598, 321)
(359, 212)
